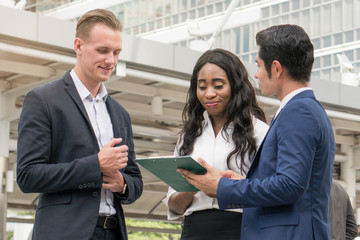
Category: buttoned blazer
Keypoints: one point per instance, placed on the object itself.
(286, 192)
(57, 157)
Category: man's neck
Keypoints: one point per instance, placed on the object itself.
(290, 86)
(92, 86)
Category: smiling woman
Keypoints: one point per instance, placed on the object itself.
(223, 125)
(214, 93)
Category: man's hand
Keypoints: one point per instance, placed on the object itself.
(232, 175)
(206, 183)
(114, 181)
(113, 158)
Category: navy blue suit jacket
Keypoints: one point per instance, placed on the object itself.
(57, 157)
(286, 192)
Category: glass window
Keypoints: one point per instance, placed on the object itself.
(275, 9)
(245, 58)
(285, 7)
(183, 5)
(210, 9)
(218, 7)
(159, 23)
(316, 19)
(305, 15)
(325, 74)
(358, 54)
(326, 42)
(227, 3)
(338, 39)
(350, 55)
(316, 43)
(167, 21)
(285, 19)
(295, 18)
(237, 40)
(295, 5)
(167, 9)
(192, 14)
(316, 74)
(151, 26)
(175, 19)
(316, 2)
(159, 11)
(338, 16)
(275, 21)
(201, 12)
(356, 67)
(143, 28)
(183, 16)
(326, 28)
(305, 3)
(357, 34)
(265, 12)
(136, 30)
(226, 39)
(316, 63)
(349, 17)
(245, 38)
(326, 61)
(192, 3)
(349, 36)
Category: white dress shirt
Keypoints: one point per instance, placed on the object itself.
(102, 126)
(214, 150)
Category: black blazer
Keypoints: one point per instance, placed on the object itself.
(57, 157)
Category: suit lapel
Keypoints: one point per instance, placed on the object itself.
(258, 152)
(71, 90)
(304, 94)
(114, 120)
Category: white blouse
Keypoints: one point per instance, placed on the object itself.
(214, 150)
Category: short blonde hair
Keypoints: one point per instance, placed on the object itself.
(89, 19)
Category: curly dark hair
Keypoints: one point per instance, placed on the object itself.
(241, 109)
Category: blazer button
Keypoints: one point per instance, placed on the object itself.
(95, 194)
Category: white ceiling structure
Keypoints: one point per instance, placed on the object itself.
(151, 82)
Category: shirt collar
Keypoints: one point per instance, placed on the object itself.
(288, 97)
(84, 92)
(208, 121)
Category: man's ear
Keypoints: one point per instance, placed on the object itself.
(277, 68)
(78, 45)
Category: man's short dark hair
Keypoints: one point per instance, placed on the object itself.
(291, 46)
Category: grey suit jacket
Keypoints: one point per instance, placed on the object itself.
(342, 219)
(57, 157)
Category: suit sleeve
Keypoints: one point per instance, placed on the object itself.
(295, 139)
(351, 227)
(37, 170)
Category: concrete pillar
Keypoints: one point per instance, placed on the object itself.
(4, 158)
(3, 197)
